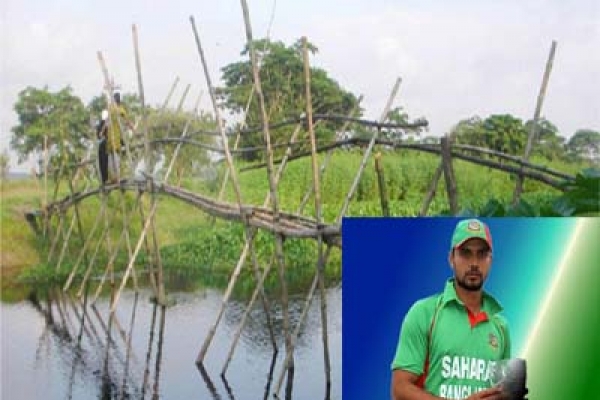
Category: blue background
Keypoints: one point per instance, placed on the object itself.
(389, 263)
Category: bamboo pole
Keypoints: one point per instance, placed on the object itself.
(159, 345)
(151, 272)
(84, 248)
(88, 270)
(449, 176)
(536, 117)
(234, 180)
(80, 317)
(45, 171)
(59, 231)
(78, 218)
(125, 232)
(272, 185)
(432, 188)
(183, 135)
(183, 96)
(149, 351)
(369, 149)
(149, 162)
(109, 267)
(228, 157)
(129, 347)
(436, 178)
(303, 315)
(383, 198)
(328, 155)
(318, 214)
(170, 93)
(237, 142)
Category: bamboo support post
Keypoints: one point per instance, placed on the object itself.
(86, 243)
(536, 117)
(369, 149)
(149, 351)
(449, 175)
(45, 171)
(125, 232)
(183, 135)
(272, 185)
(161, 333)
(65, 243)
(149, 162)
(328, 155)
(432, 188)
(383, 198)
(129, 347)
(88, 270)
(170, 93)
(59, 231)
(237, 142)
(151, 272)
(78, 218)
(435, 180)
(318, 214)
(234, 179)
(308, 302)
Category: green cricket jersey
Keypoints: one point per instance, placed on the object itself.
(463, 348)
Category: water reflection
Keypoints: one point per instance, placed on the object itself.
(82, 351)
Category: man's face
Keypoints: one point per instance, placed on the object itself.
(471, 263)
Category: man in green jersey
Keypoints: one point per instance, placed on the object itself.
(451, 342)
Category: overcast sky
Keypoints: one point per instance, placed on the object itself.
(456, 58)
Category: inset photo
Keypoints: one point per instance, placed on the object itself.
(467, 307)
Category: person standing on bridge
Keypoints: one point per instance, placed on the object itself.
(118, 117)
(101, 133)
(451, 343)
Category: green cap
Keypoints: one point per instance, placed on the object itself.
(468, 229)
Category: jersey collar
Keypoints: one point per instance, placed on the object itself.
(490, 304)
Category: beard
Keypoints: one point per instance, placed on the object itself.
(471, 281)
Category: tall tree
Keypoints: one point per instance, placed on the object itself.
(470, 131)
(60, 116)
(282, 78)
(501, 132)
(548, 143)
(585, 144)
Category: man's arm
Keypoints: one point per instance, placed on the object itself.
(404, 387)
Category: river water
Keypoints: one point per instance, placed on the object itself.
(48, 353)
